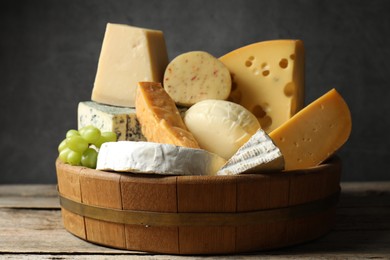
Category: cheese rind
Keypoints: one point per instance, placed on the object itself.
(314, 133)
(159, 117)
(258, 155)
(156, 158)
(120, 120)
(128, 55)
(268, 80)
(195, 76)
(219, 126)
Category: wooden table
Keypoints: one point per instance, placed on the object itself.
(31, 228)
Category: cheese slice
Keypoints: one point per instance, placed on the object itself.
(128, 55)
(257, 155)
(120, 120)
(159, 117)
(148, 157)
(315, 133)
(219, 126)
(268, 80)
(195, 76)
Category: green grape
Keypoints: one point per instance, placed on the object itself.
(74, 158)
(62, 146)
(64, 155)
(100, 141)
(89, 158)
(105, 137)
(109, 136)
(72, 132)
(90, 133)
(77, 143)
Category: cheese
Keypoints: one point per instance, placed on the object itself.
(219, 126)
(148, 157)
(159, 117)
(128, 55)
(120, 120)
(195, 76)
(268, 80)
(314, 133)
(257, 155)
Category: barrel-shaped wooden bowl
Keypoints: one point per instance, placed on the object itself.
(199, 214)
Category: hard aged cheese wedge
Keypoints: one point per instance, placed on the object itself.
(195, 76)
(159, 117)
(128, 55)
(149, 157)
(120, 120)
(219, 126)
(314, 133)
(268, 80)
(259, 154)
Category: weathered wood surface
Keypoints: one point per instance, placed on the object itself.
(31, 228)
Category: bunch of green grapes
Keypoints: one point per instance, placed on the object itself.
(81, 147)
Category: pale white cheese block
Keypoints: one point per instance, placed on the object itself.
(156, 158)
(220, 126)
(259, 154)
(128, 55)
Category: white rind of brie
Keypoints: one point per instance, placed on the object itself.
(156, 158)
(259, 154)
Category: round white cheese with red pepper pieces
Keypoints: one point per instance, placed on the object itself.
(220, 126)
(195, 76)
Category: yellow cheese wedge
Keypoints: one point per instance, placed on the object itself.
(268, 80)
(314, 133)
(128, 55)
(159, 117)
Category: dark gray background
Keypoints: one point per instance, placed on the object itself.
(49, 52)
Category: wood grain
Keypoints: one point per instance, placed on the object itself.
(69, 185)
(361, 229)
(200, 194)
(102, 189)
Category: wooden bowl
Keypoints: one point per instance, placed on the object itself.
(199, 214)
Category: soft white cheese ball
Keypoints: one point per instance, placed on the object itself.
(220, 126)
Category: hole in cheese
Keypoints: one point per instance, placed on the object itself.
(265, 73)
(265, 69)
(283, 63)
(265, 122)
(258, 111)
(289, 89)
(248, 63)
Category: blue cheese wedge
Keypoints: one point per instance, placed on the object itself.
(120, 120)
(257, 155)
(156, 158)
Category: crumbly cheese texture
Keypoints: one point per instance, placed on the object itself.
(120, 120)
(314, 133)
(258, 155)
(159, 117)
(268, 80)
(128, 55)
(156, 158)
(195, 76)
(219, 126)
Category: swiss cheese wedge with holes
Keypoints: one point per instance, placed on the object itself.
(314, 133)
(268, 80)
(159, 117)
